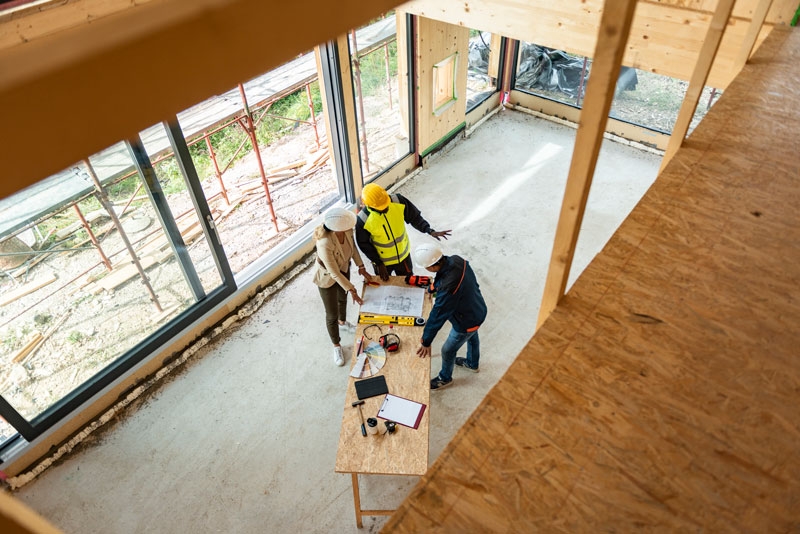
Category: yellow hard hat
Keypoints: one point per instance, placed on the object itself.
(375, 197)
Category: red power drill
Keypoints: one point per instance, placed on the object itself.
(419, 281)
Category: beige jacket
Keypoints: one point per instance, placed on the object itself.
(332, 264)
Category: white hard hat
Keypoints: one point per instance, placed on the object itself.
(339, 219)
(427, 254)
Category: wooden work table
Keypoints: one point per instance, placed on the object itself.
(405, 452)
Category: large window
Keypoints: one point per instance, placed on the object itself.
(642, 98)
(261, 197)
(382, 110)
(549, 73)
(101, 262)
(105, 261)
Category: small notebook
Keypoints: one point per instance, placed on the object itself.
(370, 387)
(402, 411)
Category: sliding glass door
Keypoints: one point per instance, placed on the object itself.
(102, 264)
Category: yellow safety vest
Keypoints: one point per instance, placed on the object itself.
(388, 233)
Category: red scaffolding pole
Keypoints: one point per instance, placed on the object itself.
(252, 133)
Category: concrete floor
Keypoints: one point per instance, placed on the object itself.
(244, 438)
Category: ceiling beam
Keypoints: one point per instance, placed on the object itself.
(666, 36)
(69, 94)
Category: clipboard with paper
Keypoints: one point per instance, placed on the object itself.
(402, 411)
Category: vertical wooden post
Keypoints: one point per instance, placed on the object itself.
(494, 57)
(698, 80)
(357, 500)
(403, 65)
(615, 25)
(325, 113)
(749, 42)
(388, 72)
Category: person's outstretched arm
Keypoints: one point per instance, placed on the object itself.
(413, 216)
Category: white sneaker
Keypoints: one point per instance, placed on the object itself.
(348, 326)
(338, 358)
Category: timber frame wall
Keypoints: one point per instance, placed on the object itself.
(89, 45)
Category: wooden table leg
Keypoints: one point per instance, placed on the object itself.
(356, 500)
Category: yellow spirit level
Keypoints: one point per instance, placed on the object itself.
(368, 318)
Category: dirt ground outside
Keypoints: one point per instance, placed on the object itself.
(83, 329)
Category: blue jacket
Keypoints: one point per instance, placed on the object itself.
(458, 300)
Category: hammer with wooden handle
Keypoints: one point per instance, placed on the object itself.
(363, 427)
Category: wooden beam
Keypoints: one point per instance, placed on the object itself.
(665, 37)
(88, 87)
(698, 81)
(615, 24)
(26, 289)
(350, 114)
(17, 518)
(37, 19)
(753, 30)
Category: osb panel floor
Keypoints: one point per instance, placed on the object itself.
(663, 393)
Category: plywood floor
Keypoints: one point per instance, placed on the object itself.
(664, 392)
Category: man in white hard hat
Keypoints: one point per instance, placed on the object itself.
(458, 300)
(381, 230)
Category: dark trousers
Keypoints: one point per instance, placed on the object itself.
(334, 299)
(401, 269)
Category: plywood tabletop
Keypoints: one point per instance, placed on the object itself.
(405, 452)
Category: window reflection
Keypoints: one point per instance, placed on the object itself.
(483, 66)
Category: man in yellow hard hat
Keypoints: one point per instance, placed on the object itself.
(381, 230)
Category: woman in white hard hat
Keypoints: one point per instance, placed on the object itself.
(335, 249)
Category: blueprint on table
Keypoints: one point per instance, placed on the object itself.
(393, 300)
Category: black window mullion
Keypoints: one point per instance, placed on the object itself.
(15, 419)
(142, 162)
(184, 159)
(331, 77)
